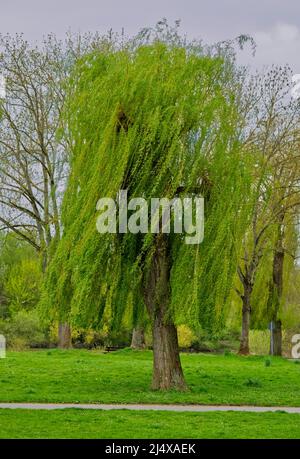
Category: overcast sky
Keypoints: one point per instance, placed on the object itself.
(274, 24)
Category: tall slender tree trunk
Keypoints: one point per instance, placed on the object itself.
(167, 370)
(275, 295)
(246, 316)
(64, 336)
(138, 338)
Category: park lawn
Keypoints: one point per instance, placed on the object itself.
(146, 424)
(125, 377)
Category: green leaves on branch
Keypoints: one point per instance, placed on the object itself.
(153, 120)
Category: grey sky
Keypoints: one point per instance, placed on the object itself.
(275, 24)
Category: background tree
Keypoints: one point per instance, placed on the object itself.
(271, 138)
(34, 142)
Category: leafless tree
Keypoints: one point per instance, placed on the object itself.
(271, 136)
(34, 143)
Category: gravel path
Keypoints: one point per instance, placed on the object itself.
(181, 408)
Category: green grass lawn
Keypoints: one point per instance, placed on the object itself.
(123, 424)
(125, 377)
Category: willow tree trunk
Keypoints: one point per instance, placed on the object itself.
(64, 336)
(167, 370)
(138, 338)
(246, 316)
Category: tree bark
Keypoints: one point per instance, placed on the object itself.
(246, 315)
(276, 290)
(167, 370)
(138, 338)
(64, 336)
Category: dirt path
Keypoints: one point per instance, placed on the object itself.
(180, 408)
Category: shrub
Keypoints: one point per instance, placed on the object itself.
(185, 336)
(23, 330)
(259, 341)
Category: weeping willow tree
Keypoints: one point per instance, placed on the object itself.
(156, 121)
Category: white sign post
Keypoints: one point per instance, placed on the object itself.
(2, 347)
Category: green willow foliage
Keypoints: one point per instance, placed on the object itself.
(153, 120)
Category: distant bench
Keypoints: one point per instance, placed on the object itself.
(113, 348)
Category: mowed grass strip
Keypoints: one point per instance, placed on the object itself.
(130, 424)
(82, 376)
